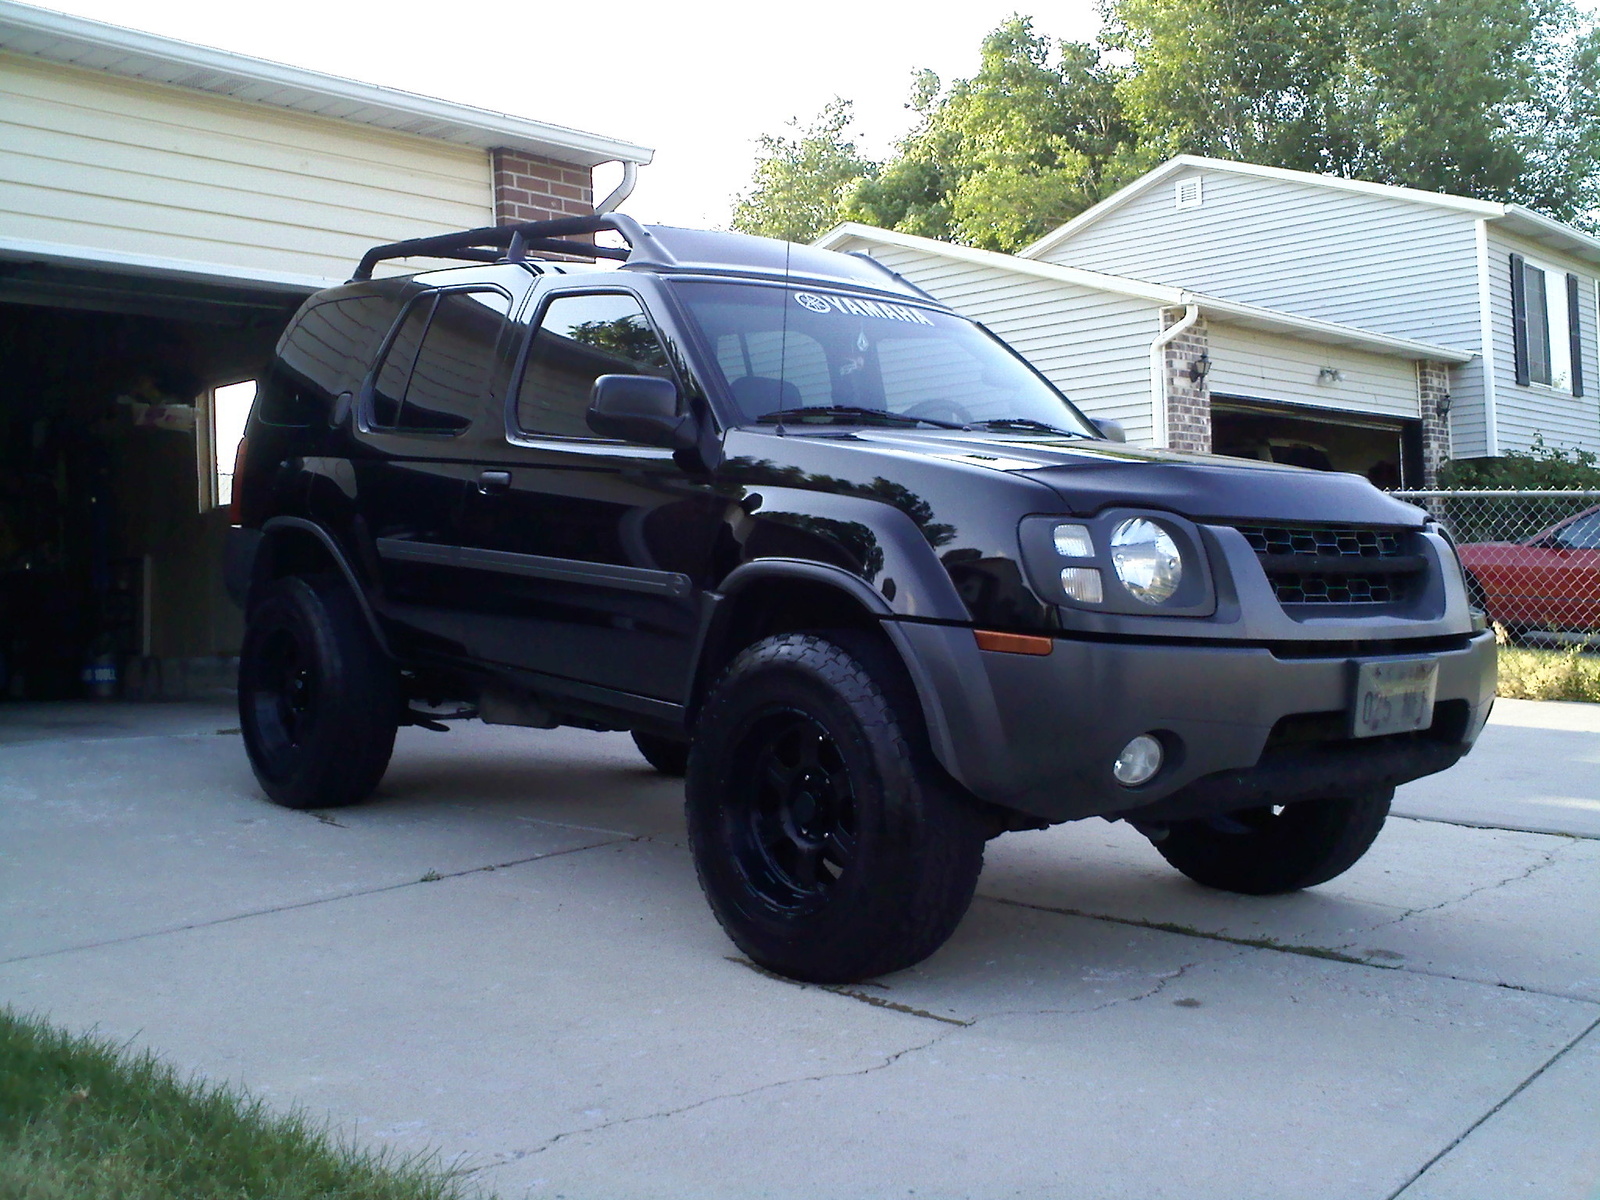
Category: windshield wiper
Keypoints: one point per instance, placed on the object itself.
(1026, 423)
(852, 410)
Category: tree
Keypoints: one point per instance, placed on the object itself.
(999, 159)
(1485, 98)
(799, 182)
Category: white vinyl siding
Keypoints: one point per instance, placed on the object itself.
(1381, 264)
(1564, 420)
(1091, 344)
(1255, 365)
(163, 173)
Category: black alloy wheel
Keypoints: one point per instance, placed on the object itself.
(829, 843)
(318, 699)
(1277, 848)
(794, 821)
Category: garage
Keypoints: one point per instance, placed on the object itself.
(164, 209)
(1388, 451)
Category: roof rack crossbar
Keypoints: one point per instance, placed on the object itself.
(512, 241)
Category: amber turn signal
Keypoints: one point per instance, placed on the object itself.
(1012, 643)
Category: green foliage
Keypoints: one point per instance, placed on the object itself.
(800, 182)
(1485, 98)
(1528, 674)
(1540, 467)
(1498, 99)
(82, 1120)
(1035, 137)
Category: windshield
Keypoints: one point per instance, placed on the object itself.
(801, 356)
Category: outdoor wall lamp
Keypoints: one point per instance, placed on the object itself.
(1441, 406)
(1329, 375)
(1200, 367)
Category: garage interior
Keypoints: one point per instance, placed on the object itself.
(111, 530)
(1388, 452)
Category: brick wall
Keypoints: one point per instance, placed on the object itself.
(1188, 399)
(1433, 385)
(529, 187)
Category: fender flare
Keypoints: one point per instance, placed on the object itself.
(341, 560)
(936, 714)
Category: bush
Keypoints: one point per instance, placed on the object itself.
(1538, 468)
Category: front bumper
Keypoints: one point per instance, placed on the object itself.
(1243, 725)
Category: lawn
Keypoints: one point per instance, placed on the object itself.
(82, 1119)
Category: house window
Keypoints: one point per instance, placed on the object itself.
(1187, 193)
(221, 427)
(1546, 326)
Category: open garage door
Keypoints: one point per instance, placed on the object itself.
(1388, 451)
(110, 533)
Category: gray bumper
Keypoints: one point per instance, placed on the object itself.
(1040, 734)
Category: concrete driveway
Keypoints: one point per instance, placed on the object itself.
(505, 958)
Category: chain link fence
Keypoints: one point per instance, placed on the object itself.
(1532, 558)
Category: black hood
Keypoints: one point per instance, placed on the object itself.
(1091, 475)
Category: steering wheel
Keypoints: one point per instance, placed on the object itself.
(940, 410)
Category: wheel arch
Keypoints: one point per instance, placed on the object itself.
(772, 596)
(296, 546)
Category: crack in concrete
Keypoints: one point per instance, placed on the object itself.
(430, 877)
(839, 989)
(1507, 1099)
(1547, 859)
(822, 1077)
(1261, 943)
(1463, 824)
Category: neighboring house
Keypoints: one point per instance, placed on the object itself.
(1159, 359)
(164, 207)
(1512, 287)
(1355, 325)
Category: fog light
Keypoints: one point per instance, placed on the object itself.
(1139, 761)
(1082, 584)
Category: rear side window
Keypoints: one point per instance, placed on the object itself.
(435, 376)
(326, 352)
(579, 339)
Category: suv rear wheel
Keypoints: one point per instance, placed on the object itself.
(318, 699)
(1261, 851)
(828, 842)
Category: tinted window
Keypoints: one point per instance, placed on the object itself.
(1582, 534)
(579, 339)
(436, 374)
(326, 352)
(880, 361)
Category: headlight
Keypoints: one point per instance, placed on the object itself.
(1146, 560)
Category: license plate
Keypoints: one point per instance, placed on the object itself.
(1395, 696)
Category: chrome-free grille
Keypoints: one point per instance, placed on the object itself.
(1334, 565)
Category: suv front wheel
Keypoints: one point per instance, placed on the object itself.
(318, 699)
(828, 842)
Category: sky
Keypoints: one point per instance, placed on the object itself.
(697, 81)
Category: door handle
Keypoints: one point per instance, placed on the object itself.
(494, 481)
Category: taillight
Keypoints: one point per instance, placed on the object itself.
(234, 506)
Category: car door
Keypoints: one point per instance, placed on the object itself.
(429, 389)
(592, 551)
(1571, 587)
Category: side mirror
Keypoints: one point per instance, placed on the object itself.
(640, 408)
(1110, 430)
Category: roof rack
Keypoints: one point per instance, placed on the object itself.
(511, 243)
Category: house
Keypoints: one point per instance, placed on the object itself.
(1338, 319)
(164, 207)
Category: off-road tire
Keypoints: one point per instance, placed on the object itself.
(900, 847)
(319, 701)
(1263, 851)
(670, 756)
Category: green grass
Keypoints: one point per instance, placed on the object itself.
(1567, 674)
(82, 1119)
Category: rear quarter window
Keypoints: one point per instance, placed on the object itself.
(324, 353)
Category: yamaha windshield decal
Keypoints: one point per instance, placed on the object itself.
(860, 308)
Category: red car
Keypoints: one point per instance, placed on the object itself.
(1548, 581)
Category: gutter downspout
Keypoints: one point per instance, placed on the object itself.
(1158, 373)
(630, 177)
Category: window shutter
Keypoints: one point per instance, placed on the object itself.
(1519, 320)
(1575, 334)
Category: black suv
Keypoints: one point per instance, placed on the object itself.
(839, 554)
